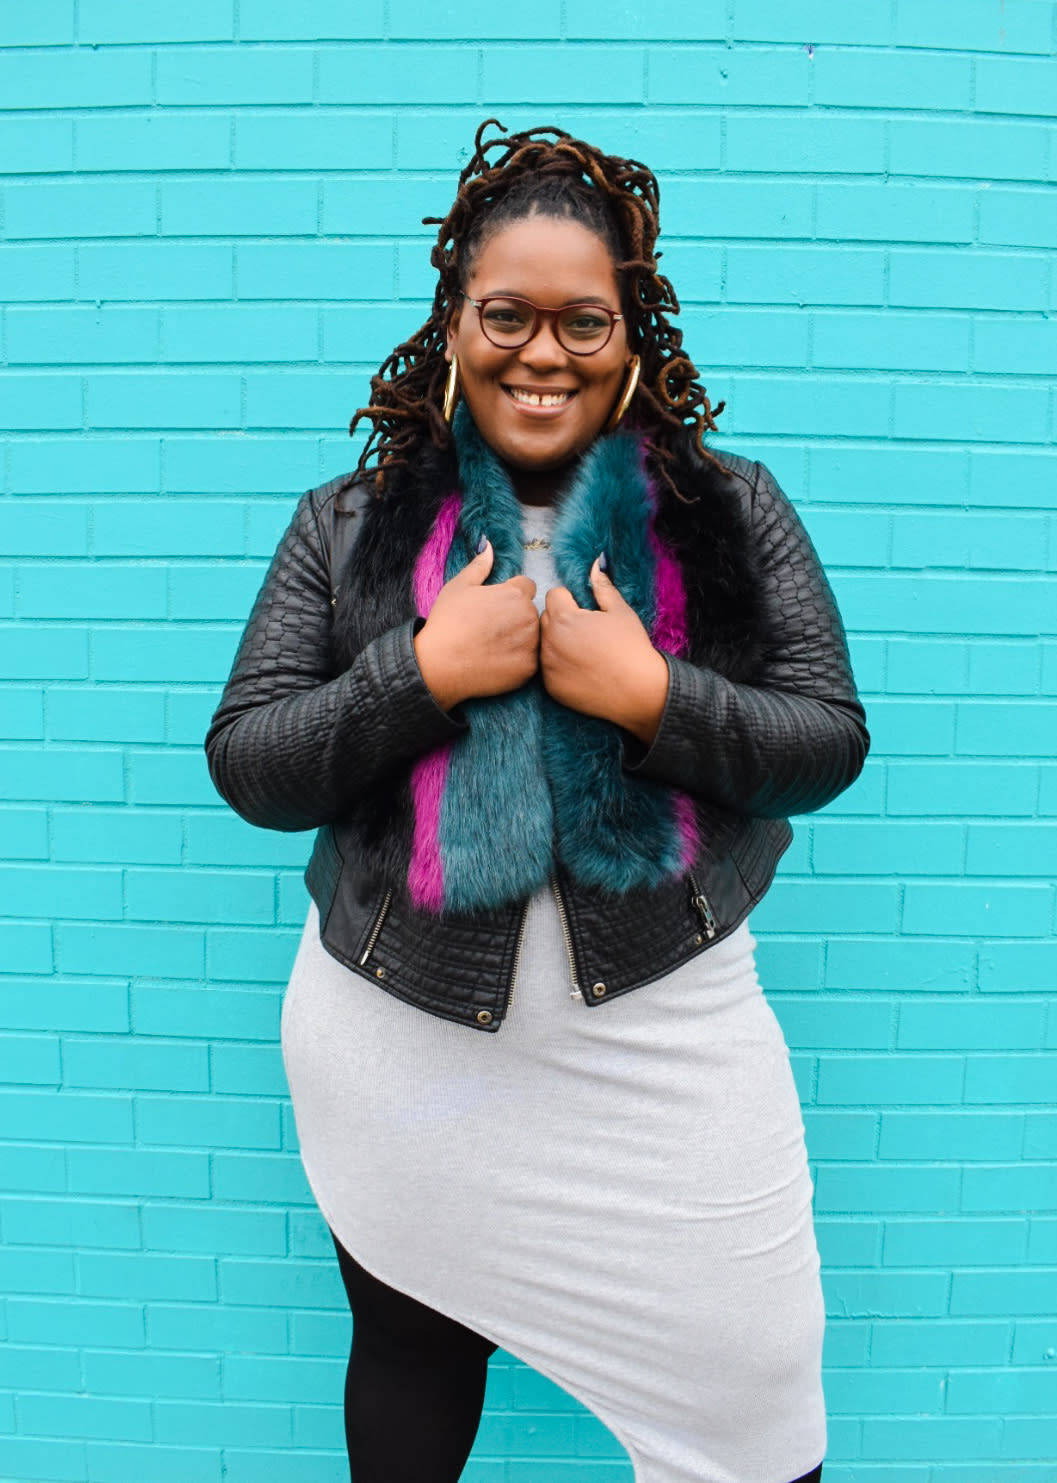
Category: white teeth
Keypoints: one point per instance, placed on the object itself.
(540, 399)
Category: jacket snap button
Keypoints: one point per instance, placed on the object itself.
(699, 939)
(597, 990)
(379, 973)
(484, 1016)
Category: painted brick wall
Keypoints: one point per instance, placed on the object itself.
(210, 236)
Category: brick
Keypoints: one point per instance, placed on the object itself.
(813, 1024)
(41, 271)
(238, 208)
(1013, 1078)
(67, 1118)
(132, 1462)
(195, 1376)
(912, 728)
(72, 1223)
(154, 142)
(108, 1417)
(899, 965)
(225, 839)
(261, 1177)
(30, 1058)
(135, 1064)
(206, 1012)
(1001, 729)
(693, 74)
(985, 150)
(314, 20)
(976, 910)
(189, 713)
(27, 947)
(878, 1188)
(35, 1168)
(825, 404)
(155, 271)
(926, 211)
(785, 143)
(159, 951)
(805, 275)
(550, 74)
(88, 1004)
(994, 789)
(160, 399)
(57, 527)
(31, 1270)
(816, 21)
(169, 526)
(199, 896)
(56, 773)
(1017, 347)
(891, 341)
(406, 74)
(982, 26)
(25, 833)
(246, 1069)
(214, 1230)
(1018, 966)
(257, 465)
(75, 209)
(897, 479)
(891, 80)
(1004, 668)
(938, 1342)
(36, 146)
(138, 1172)
(36, 401)
(300, 141)
(938, 279)
(170, 777)
(1014, 85)
(1015, 1391)
(944, 604)
(980, 413)
(226, 75)
(319, 270)
(265, 957)
(96, 590)
(930, 1025)
(50, 23)
(224, 1425)
(47, 891)
(195, 654)
(981, 542)
(39, 466)
(818, 907)
(123, 836)
(887, 848)
(75, 79)
(48, 1321)
(963, 1134)
(472, 20)
(103, 21)
(242, 1330)
(22, 719)
(307, 399)
(238, 333)
(1008, 478)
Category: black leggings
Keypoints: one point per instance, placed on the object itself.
(414, 1387)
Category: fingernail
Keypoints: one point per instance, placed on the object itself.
(481, 544)
(603, 562)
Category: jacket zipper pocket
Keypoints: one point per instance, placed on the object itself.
(575, 991)
(699, 901)
(379, 919)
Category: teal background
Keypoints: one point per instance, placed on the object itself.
(210, 237)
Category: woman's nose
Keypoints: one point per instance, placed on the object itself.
(544, 349)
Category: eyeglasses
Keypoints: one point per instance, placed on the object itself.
(509, 323)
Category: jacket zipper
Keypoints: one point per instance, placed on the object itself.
(575, 991)
(517, 959)
(379, 919)
(700, 903)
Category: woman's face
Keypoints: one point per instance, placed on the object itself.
(552, 261)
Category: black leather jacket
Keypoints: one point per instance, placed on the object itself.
(296, 739)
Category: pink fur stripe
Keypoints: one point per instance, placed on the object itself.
(425, 876)
(686, 823)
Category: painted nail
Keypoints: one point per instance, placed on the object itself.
(603, 562)
(481, 544)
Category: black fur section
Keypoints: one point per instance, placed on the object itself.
(375, 594)
(713, 543)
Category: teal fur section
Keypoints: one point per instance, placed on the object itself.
(532, 778)
(496, 818)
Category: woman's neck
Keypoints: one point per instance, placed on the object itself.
(540, 486)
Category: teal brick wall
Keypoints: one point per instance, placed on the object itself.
(210, 235)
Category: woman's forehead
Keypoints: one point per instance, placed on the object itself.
(552, 254)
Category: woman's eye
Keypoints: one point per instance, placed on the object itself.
(586, 324)
(505, 318)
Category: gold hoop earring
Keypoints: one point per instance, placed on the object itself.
(626, 395)
(451, 389)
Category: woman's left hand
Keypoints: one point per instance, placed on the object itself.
(602, 663)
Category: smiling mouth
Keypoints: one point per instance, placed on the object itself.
(538, 398)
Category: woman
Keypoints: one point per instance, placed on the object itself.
(548, 676)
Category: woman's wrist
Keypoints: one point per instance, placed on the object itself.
(643, 700)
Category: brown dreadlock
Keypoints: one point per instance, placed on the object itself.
(621, 198)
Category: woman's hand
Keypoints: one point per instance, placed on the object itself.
(602, 663)
(479, 640)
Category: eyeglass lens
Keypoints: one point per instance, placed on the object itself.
(511, 323)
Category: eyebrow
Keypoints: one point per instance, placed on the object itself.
(507, 293)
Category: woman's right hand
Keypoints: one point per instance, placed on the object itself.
(479, 640)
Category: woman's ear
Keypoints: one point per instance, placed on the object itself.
(451, 336)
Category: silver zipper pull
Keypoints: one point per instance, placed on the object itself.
(699, 901)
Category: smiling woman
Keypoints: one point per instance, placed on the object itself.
(548, 676)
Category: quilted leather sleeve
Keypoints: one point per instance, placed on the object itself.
(797, 738)
(291, 743)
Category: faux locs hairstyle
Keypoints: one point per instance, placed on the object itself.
(549, 171)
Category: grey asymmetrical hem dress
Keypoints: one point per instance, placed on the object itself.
(619, 1196)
